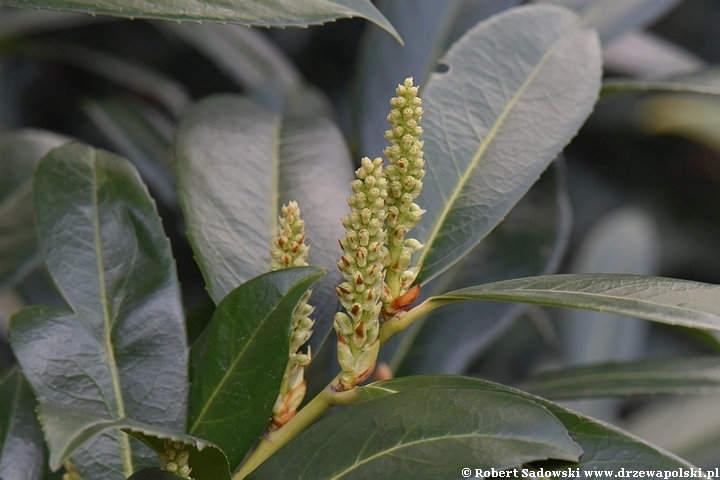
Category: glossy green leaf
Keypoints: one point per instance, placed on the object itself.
(122, 350)
(238, 362)
(518, 88)
(22, 450)
(706, 81)
(20, 151)
(68, 428)
(425, 434)
(530, 241)
(279, 13)
(665, 300)
(612, 18)
(237, 163)
(685, 376)
(605, 447)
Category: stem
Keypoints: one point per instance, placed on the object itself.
(329, 397)
(274, 441)
(392, 278)
(400, 322)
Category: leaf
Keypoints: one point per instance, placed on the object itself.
(128, 128)
(705, 81)
(68, 428)
(518, 88)
(625, 240)
(664, 300)
(279, 13)
(612, 18)
(122, 350)
(694, 424)
(605, 447)
(246, 56)
(237, 163)
(647, 55)
(19, 22)
(695, 117)
(428, 27)
(432, 433)
(136, 77)
(238, 362)
(20, 151)
(22, 450)
(698, 375)
(531, 240)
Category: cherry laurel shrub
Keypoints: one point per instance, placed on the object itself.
(118, 391)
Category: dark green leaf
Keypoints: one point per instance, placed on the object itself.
(665, 300)
(605, 447)
(68, 428)
(237, 163)
(530, 241)
(424, 434)
(20, 151)
(122, 351)
(705, 81)
(238, 362)
(22, 450)
(686, 376)
(279, 13)
(518, 88)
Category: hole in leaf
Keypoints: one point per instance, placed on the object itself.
(443, 68)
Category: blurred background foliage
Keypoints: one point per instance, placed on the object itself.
(638, 190)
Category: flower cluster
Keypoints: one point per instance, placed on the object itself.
(363, 267)
(404, 175)
(175, 459)
(289, 250)
(376, 260)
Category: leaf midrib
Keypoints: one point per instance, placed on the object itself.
(123, 440)
(230, 371)
(484, 145)
(488, 295)
(430, 440)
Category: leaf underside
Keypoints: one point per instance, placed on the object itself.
(518, 88)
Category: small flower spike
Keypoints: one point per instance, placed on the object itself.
(289, 250)
(175, 459)
(404, 176)
(363, 267)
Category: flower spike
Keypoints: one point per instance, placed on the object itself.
(363, 268)
(289, 250)
(404, 175)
